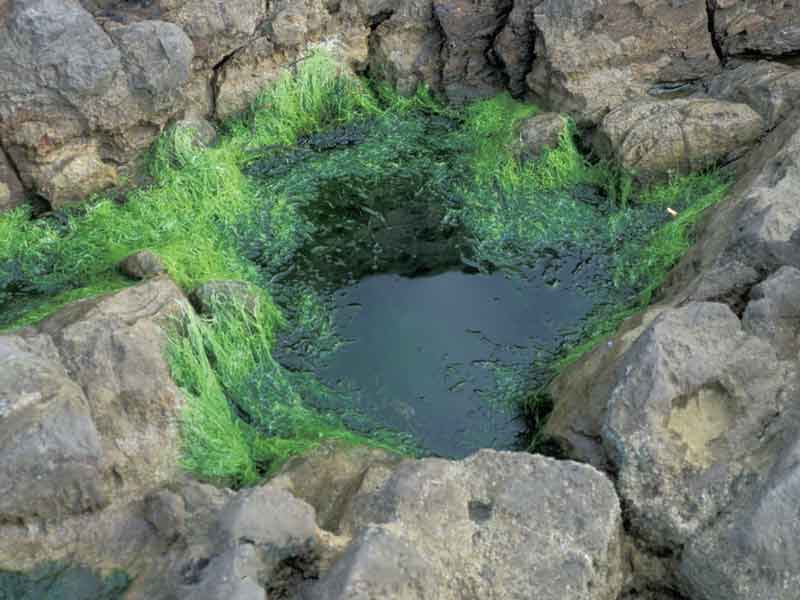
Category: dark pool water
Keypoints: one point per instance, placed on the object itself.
(442, 356)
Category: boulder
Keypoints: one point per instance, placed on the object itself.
(769, 88)
(142, 265)
(539, 132)
(90, 411)
(686, 418)
(755, 27)
(593, 56)
(654, 137)
(78, 101)
(495, 525)
(209, 296)
(773, 312)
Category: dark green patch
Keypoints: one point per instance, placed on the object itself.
(53, 581)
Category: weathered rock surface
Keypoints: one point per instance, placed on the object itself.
(209, 296)
(539, 132)
(682, 428)
(89, 416)
(515, 45)
(653, 137)
(593, 56)
(12, 193)
(771, 89)
(754, 27)
(495, 525)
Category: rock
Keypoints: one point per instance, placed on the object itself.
(77, 101)
(469, 29)
(12, 193)
(773, 312)
(495, 525)
(683, 428)
(652, 137)
(580, 394)
(210, 295)
(762, 529)
(751, 233)
(539, 132)
(166, 511)
(404, 48)
(515, 45)
(329, 476)
(769, 88)
(50, 446)
(753, 27)
(91, 409)
(142, 265)
(259, 530)
(592, 56)
(203, 133)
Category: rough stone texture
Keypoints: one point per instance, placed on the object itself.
(653, 137)
(495, 525)
(539, 132)
(329, 477)
(593, 56)
(142, 265)
(771, 89)
(773, 311)
(405, 46)
(75, 100)
(12, 193)
(682, 428)
(748, 27)
(751, 234)
(582, 391)
(89, 406)
(515, 46)
(470, 29)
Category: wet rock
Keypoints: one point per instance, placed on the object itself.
(591, 57)
(330, 476)
(685, 419)
(539, 132)
(211, 295)
(142, 265)
(496, 525)
(652, 137)
(771, 89)
(748, 27)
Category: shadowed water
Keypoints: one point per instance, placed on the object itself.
(439, 356)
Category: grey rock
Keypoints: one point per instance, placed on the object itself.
(495, 525)
(166, 511)
(203, 133)
(142, 265)
(515, 45)
(748, 27)
(539, 132)
(682, 428)
(771, 89)
(12, 192)
(652, 137)
(52, 457)
(773, 312)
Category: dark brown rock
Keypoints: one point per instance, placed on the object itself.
(539, 132)
(142, 265)
(755, 27)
